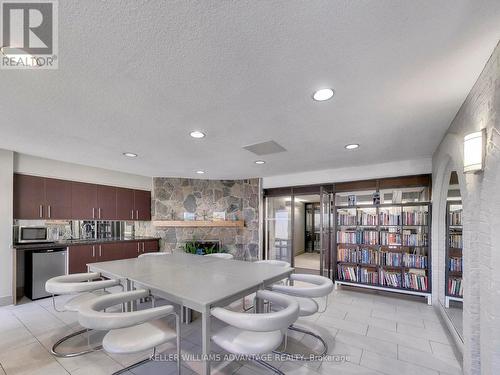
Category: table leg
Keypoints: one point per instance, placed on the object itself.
(205, 341)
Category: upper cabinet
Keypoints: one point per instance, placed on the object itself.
(125, 206)
(142, 202)
(46, 198)
(29, 197)
(83, 201)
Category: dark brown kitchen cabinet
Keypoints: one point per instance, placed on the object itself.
(57, 199)
(125, 208)
(79, 256)
(142, 202)
(106, 202)
(150, 246)
(83, 200)
(29, 197)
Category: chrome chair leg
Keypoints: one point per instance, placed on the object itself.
(76, 354)
(300, 357)
(137, 364)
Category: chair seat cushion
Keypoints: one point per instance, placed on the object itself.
(238, 341)
(74, 303)
(138, 338)
(307, 306)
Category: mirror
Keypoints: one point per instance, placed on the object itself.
(452, 298)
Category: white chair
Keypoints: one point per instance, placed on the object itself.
(131, 332)
(256, 334)
(321, 287)
(220, 255)
(155, 254)
(87, 288)
(273, 262)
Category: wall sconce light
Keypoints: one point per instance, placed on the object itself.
(474, 151)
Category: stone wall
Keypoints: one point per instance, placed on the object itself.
(239, 199)
(481, 209)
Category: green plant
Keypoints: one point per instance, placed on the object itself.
(210, 250)
(190, 247)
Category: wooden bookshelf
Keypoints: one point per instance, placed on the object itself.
(454, 247)
(384, 239)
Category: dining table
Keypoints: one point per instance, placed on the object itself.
(194, 282)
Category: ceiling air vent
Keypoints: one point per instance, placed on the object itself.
(265, 148)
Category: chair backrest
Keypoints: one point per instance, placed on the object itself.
(323, 286)
(266, 322)
(221, 255)
(77, 283)
(91, 314)
(155, 254)
(274, 262)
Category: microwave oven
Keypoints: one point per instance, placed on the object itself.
(30, 234)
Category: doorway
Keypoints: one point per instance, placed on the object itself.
(298, 227)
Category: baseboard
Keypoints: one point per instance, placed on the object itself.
(5, 301)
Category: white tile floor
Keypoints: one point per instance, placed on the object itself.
(379, 333)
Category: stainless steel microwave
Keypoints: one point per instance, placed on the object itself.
(30, 234)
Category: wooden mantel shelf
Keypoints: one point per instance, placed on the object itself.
(199, 223)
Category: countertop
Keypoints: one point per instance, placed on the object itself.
(65, 243)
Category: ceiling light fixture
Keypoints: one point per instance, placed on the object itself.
(197, 134)
(352, 146)
(129, 154)
(260, 162)
(323, 94)
(200, 172)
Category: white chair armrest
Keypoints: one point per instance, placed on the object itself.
(262, 322)
(77, 283)
(323, 286)
(91, 315)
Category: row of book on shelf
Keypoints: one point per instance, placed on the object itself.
(385, 238)
(455, 264)
(456, 240)
(414, 279)
(455, 218)
(382, 258)
(455, 287)
(346, 218)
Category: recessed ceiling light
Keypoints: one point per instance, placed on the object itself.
(129, 154)
(200, 172)
(197, 134)
(260, 162)
(323, 94)
(352, 146)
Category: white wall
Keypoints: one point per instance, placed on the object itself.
(481, 210)
(36, 166)
(6, 199)
(365, 172)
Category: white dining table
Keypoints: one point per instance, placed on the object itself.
(193, 281)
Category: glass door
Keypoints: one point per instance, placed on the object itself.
(326, 232)
(278, 228)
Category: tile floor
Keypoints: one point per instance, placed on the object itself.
(377, 333)
(308, 261)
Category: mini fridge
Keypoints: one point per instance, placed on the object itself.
(42, 265)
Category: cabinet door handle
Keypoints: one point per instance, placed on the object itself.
(137, 214)
(100, 250)
(143, 247)
(132, 214)
(49, 211)
(93, 251)
(138, 247)
(99, 212)
(41, 211)
(93, 213)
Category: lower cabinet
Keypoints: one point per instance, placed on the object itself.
(80, 255)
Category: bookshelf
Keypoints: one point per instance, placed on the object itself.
(454, 259)
(384, 247)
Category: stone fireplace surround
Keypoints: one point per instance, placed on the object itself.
(239, 199)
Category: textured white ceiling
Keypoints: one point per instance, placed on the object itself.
(139, 75)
